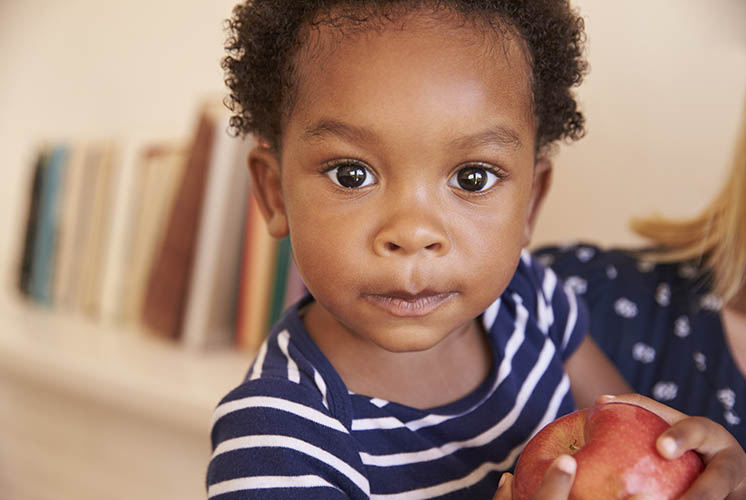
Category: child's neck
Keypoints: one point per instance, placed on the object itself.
(426, 379)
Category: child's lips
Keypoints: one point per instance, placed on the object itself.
(406, 305)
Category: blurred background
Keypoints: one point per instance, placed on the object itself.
(99, 402)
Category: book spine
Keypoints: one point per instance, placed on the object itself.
(45, 240)
(32, 221)
(169, 279)
(113, 264)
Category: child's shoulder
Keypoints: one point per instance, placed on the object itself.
(289, 370)
(531, 280)
(547, 303)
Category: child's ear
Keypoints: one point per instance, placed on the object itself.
(542, 181)
(266, 185)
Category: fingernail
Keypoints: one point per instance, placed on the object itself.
(502, 480)
(667, 445)
(567, 464)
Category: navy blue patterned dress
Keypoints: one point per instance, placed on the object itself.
(661, 326)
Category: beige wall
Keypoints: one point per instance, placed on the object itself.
(662, 99)
(662, 102)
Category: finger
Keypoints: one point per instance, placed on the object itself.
(665, 412)
(504, 487)
(693, 433)
(721, 477)
(558, 480)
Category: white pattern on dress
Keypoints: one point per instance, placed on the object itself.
(727, 397)
(625, 308)
(682, 328)
(577, 284)
(611, 272)
(700, 361)
(731, 418)
(711, 302)
(643, 353)
(687, 271)
(645, 266)
(663, 294)
(584, 254)
(545, 260)
(665, 391)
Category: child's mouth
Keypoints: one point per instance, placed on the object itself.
(406, 305)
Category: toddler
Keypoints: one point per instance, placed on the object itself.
(403, 147)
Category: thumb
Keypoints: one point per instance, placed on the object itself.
(505, 488)
(558, 479)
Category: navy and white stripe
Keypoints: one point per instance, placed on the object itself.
(293, 430)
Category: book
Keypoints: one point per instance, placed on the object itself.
(116, 233)
(157, 174)
(32, 220)
(210, 310)
(45, 240)
(69, 227)
(257, 270)
(88, 293)
(166, 292)
(73, 261)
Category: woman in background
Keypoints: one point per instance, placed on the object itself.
(673, 317)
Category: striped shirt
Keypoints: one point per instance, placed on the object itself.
(292, 429)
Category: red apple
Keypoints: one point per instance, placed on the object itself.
(614, 446)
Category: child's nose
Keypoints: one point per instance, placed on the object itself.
(411, 233)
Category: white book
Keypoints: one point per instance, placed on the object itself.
(75, 261)
(158, 174)
(89, 296)
(70, 228)
(210, 308)
(115, 235)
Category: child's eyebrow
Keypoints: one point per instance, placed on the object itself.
(499, 135)
(326, 127)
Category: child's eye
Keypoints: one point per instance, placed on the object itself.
(474, 178)
(350, 175)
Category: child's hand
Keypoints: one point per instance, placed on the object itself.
(555, 485)
(725, 461)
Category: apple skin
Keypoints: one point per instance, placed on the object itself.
(614, 446)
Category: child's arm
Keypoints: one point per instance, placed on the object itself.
(592, 374)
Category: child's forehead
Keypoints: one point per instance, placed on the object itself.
(437, 69)
(477, 38)
(320, 37)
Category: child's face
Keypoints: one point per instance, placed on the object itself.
(406, 178)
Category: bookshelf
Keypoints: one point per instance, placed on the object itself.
(95, 411)
(92, 409)
(127, 320)
(144, 285)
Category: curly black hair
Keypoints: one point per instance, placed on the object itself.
(264, 37)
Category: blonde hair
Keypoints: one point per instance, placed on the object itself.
(716, 238)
